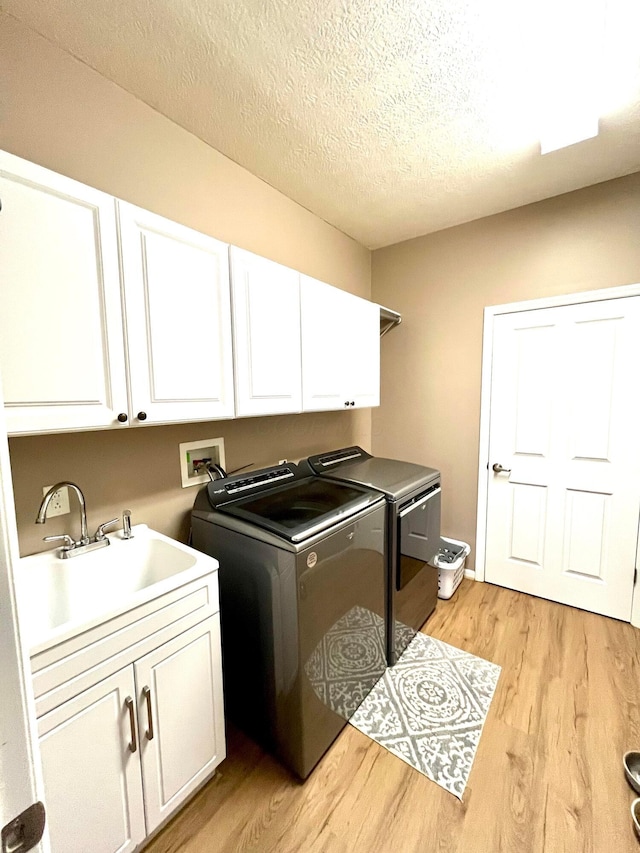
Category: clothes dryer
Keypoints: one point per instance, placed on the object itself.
(412, 493)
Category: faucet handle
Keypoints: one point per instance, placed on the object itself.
(69, 544)
(101, 529)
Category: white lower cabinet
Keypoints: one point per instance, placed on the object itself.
(121, 756)
(93, 787)
(180, 718)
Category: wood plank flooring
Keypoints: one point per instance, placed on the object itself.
(547, 777)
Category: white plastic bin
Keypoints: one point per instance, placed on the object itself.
(450, 562)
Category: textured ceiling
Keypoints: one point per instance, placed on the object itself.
(387, 118)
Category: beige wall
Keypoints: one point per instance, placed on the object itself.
(60, 114)
(441, 283)
(57, 112)
(139, 469)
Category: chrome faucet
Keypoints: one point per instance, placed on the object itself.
(44, 506)
(84, 544)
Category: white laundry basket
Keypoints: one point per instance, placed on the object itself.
(450, 562)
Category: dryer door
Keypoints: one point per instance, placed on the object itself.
(414, 591)
(419, 535)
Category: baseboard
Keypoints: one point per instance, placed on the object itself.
(470, 573)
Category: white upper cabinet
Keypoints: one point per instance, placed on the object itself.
(266, 335)
(112, 316)
(340, 348)
(61, 345)
(178, 320)
(362, 368)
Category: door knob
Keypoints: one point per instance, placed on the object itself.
(497, 467)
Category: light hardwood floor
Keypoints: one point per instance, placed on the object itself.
(547, 775)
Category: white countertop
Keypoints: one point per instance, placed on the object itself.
(58, 598)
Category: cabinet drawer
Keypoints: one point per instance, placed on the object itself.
(68, 668)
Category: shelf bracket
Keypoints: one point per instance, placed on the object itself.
(388, 319)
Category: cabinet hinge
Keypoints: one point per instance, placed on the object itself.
(635, 576)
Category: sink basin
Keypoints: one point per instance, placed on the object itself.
(58, 597)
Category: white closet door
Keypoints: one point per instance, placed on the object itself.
(562, 520)
(61, 337)
(178, 319)
(266, 335)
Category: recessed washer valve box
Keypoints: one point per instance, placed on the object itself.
(195, 456)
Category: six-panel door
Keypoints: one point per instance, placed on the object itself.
(564, 495)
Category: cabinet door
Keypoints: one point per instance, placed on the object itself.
(178, 319)
(324, 350)
(61, 337)
(361, 328)
(92, 783)
(340, 348)
(266, 335)
(180, 717)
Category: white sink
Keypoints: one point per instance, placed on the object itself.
(58, 598)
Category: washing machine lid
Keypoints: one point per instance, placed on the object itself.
(295, 510)
(393, 477)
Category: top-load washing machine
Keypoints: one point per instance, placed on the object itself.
(302, 602)
(412, 494)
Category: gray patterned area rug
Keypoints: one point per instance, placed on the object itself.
(348, 661)
(430, 708)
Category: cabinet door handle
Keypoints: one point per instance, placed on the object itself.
(146, 692)
(133, 744)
